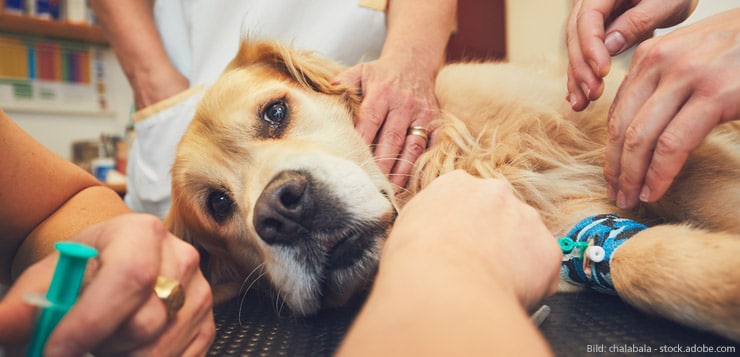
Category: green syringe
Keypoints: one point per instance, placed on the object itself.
(63, 291)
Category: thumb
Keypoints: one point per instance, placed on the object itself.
(639, 22)
(18, 316)
(350, 77)
(16, 321)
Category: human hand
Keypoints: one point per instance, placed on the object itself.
(133, 35)
(117, 312)
(679, 87)
(598, 29)
(479, 222)
(397, 95)
(156, 85)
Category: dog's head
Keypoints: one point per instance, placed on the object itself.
(272, 181)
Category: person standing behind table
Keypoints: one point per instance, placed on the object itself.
(170, 51)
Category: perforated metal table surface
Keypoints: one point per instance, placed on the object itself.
(580, 324)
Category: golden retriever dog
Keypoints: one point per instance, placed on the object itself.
(274, 185)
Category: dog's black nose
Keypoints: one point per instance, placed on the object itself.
(280, 212)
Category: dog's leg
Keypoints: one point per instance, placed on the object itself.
(688, 275)
(707, 191)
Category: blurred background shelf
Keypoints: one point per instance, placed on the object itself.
(27, 25)
(80, 113)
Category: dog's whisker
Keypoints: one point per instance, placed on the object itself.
(244, 295)
(281, 306)
(366, 162)
(258, 267)
(279, 302)
(355, 150)
(253, 282)
(352, 153)
(275, 293)
(243, 300)
(377, 159)
(377, 145)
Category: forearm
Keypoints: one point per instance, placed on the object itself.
(442, 307)
(130, 28)
(419, 30)
(90, 206)
(44, 198)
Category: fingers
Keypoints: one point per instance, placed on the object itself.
(16, 321)
(590, 26)
(638, 23)
(350, 77)
(191, 331)
(203, 339)
(125, 281)
(398, 146)
(598, 29)
(634, 25)
(391, 104)
(17, 316)
(588, 59)
(192, 328)
(143, 327)
(373, 109)
(641, 137)
(414, 146)
(134, 251)
(398, 141)
(682, 135)
(388, 128)
(583, 85)
(544, 255)
(495, 223)
(577, 67)
(634, 91)
(668, 103)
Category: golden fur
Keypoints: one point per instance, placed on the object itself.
(498, 120)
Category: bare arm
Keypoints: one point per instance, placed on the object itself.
(45, 199)
(420, 29)
(42, 199)
(459, 283)
(130, 28)
(423, 308)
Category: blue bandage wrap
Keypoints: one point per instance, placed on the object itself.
(607, 231)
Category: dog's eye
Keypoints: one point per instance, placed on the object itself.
(220, 205)
(275, 113)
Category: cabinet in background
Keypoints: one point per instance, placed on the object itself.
(481, 31)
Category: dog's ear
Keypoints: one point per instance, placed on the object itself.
(176, 226)
(308, 69)
(224, 279)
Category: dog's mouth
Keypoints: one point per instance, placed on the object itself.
(351, 264)
(348, 250)
(326, 247)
